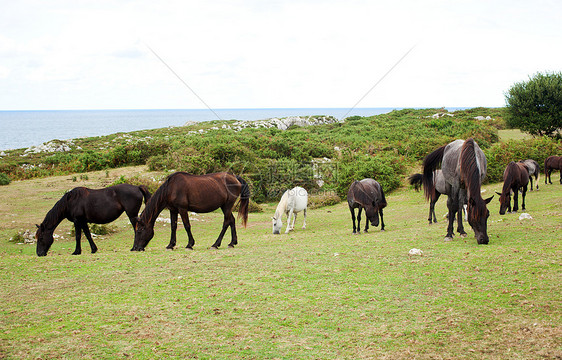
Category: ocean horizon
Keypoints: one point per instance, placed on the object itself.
(26, 128)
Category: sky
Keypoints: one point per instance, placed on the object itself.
(146, 54)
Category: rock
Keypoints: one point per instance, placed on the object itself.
(525, 216)
(415, 251)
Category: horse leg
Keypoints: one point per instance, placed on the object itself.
(89, 237)
(452, 211)
(382, 220)
(289, 221)
(304, 223)
(359, 220)
(174, 226)
(523, 196)
(353, 218)
(187, 226)
(233, 234)
(531, 181)
(225, 224)
(461, 199)
(78, 233)
(294, 220)
(515, 200)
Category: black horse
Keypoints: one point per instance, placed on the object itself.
(82, 206)
(182, 192)
(366, 194)
(515, 177)
(552, 163)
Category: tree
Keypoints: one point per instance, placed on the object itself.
(535, 106)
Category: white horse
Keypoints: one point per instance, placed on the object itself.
(292, 202)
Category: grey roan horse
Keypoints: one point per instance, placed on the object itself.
(533, 169)
(441, 187)
(464, 167)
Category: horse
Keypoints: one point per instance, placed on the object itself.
(515, 177)
(552, 163)
(441, 187)
(292, 202)
(464, 168)
(366, 194)
(533, 168)
(182, 192)
(82, 206)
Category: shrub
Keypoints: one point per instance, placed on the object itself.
(4, 179)
(500, 154)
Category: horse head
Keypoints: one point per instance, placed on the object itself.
(143, 234)
(372, 213)
(505, 200)
(478, 218)
(277, 224)
(44, 240)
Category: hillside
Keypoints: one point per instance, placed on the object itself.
(318, 152)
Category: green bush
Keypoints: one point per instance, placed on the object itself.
(500, 154)
(4, 179)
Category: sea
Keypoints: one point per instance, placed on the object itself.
(23, 129)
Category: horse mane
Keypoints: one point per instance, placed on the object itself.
(58, 211)
(282, 205)
(156, 200)
(470, 176)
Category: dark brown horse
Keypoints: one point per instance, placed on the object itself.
(82, 206)
(366, 194)
(464, 167)
(515, 177)
(182, 192)
(552, 163)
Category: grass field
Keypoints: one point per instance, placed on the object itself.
(319, 293)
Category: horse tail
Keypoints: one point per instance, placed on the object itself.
(416, 180)
(430, 164)
(145, 193)
(244, 201)
(546, 169)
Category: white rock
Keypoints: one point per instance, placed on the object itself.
(525, 216)
(415, 251)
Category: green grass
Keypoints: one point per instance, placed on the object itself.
(513, 134)
(319, 293)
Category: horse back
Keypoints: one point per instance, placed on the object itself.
(297, 199)
(202, 193)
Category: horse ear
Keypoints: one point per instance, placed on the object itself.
(487, 201)
(37, 226)
(498, 193)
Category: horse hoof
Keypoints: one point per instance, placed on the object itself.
(169, 248)
(448, 238)
(188, 248)
(214, 247)
(463, 235)
(231, 246)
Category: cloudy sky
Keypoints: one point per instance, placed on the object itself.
(271, 54)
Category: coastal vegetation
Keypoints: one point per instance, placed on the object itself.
(325, 157)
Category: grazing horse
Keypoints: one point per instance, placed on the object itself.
(82, 206)
(441, 187)
(552, 163)
(292, 202)
(183, 192)
(464, 167)
(533, 169)
(366, 194)
(515, 177)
